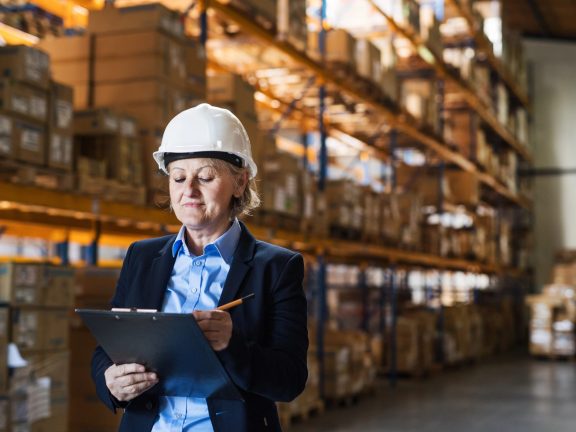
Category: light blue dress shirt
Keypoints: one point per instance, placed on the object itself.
(196, 283)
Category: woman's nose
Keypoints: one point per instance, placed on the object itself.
(191, 187)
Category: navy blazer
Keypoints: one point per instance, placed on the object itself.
(266, 356)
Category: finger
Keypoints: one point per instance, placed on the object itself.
(129, 368)
(131, 392)
(132, 379)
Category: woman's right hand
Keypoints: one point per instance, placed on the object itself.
(128, 381)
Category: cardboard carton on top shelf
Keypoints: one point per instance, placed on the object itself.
(181, 60)
(72, 72)
(23, 100)
(231, 91)
(153, 16)
(368, 60)
(26, 64)
(292, 23)
(66, 49)
(152, 114)
(340, 47)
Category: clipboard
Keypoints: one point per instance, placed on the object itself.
(170, 344)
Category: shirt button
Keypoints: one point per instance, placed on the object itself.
(198, 263)
(149, 405)
(194, 290)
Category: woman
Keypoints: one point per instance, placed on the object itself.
(212, 260)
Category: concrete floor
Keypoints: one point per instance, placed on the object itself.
(508, 394)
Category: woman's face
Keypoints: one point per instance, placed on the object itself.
(201, 194)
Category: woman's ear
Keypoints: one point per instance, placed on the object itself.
(241, 184)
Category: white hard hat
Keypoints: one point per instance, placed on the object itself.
(206, 131)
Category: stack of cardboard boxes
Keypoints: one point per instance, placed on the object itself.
(419, 97)
(94, 288)
(109, 155)
(36, 113)
(415, 344)
(138, 61)
(345, 208)
(349, 367)
(553, 312)
(360, 59)
(39, 296)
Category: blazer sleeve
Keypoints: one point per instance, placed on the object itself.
(276, 370)
(100, 360)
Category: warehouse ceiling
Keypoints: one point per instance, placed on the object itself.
(555, 19)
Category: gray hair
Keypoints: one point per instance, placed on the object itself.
(249, 200)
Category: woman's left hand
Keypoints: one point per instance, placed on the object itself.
(216, 326)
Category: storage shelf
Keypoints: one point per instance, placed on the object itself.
(485, 45)
(397, 118)
(437, 62)
(30, 211)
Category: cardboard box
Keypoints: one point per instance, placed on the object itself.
(102, 121)
(21, 283)
(4, 339)
(96, 281)
(7, 145)
(72, 72)
(59, 286)
(464, 187)
(29, 140)
(281, 188)
(60, 149)
(4, 414)
(24, 63)
(154, 108)
(181, 60)
(131, 68)
(368, 61)
(87, 412)
(23, 100)
(60, 105)
(135, 18)
(37, 329)
(340, 47)
(292, 23)
(66, 48)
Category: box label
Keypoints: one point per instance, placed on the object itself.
(64, 112)
(31, 140)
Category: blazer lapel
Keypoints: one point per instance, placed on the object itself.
(160, 272)
(240, 265)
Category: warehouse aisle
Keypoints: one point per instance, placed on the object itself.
(509, 395)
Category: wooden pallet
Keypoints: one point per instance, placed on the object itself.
(311, 409)
(32, 175)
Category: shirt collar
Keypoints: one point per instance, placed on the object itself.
(225, 244)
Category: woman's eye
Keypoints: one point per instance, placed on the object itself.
(179, 179)
(205, 179)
